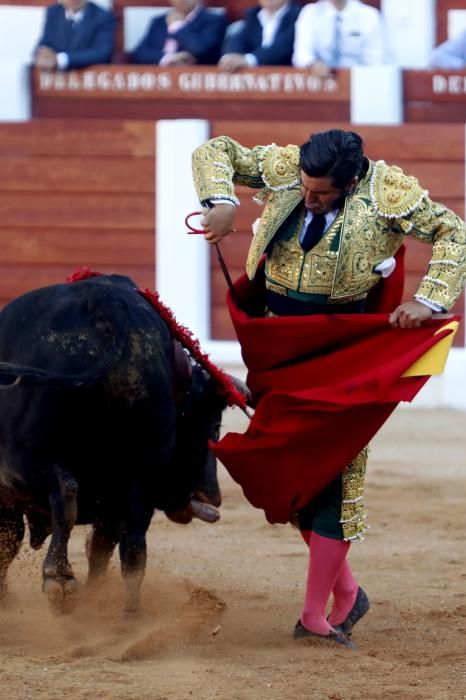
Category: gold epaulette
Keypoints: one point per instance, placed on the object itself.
(394, 194)
(280, 167)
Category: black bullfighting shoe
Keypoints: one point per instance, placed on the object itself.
(300, 632)
(359, 609)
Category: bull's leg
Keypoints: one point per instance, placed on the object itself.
(99, 547)
(11, 536)
(58, 580)
(133, 548)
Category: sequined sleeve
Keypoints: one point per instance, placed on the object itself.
(222, 162)
(446, 274)
(400, 198)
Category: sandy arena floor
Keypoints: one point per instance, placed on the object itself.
(220, 601)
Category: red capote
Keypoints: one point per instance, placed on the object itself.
(323, 386)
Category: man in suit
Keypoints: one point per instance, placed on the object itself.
(450, 54)
(76, 34)
(187, 34)
(266, 37)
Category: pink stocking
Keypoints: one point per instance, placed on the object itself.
(326, 556)
(345, 591)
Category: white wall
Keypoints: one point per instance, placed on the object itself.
(410, 27)
(182, 261)
(20, 30)
(136, 21)
(376, 95)
(456, 23)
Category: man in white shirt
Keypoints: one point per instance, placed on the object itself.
(266, 37)
(450, 54)
(333, 34)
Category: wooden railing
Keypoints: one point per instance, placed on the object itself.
(266, 93)
(151, 92)
(435, 96)
(75, 193)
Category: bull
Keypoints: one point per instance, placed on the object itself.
(103, 419)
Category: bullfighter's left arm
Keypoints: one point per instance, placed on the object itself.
(401, 199)
(446, 274)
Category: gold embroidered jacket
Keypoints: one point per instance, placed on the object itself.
(386, 206)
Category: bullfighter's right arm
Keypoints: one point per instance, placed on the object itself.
(221, 163)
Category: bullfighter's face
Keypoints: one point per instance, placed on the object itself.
(321, 195)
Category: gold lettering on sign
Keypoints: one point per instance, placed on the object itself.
(117, 81)
(449, 84)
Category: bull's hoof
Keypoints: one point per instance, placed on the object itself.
(62, 593)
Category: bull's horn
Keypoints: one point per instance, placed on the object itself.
(243, 388)
(11, 384)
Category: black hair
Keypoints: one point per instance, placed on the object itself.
(335, 153)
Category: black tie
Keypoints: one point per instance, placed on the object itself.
(69, 27)
(314, 232)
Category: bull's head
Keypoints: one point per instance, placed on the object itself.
(199, 422)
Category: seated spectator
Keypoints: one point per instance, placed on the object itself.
(450, 54)
(266, 38)
(187, 34)
(338, 34)
(76, 34)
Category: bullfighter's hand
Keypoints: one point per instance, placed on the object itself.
(218, 222)
(411, 314)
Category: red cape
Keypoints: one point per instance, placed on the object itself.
(323, 386)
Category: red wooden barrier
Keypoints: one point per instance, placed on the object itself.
(75, 193)
(150, 92)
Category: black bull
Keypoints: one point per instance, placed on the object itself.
(98, 424)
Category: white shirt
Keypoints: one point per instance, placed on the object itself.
(270, 22)
(450, 54)
(362, 40)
